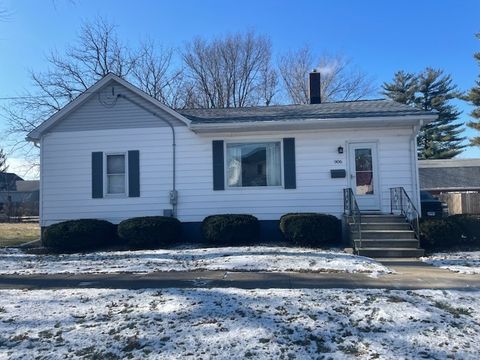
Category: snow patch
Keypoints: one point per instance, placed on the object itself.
(464, 262)
(235, 323)
(248, 258)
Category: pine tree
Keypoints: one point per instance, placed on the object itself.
(402, 89)
(430, 90)
(474, 98)
(3, 161)
(440, 139)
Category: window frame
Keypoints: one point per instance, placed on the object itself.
(252, 141)
(106, 194)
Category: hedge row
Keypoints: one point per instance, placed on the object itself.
(303, 229)
(456, 231)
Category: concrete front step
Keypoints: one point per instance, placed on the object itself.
(388, 234)
(385, 226)
(384, 243)
(383, 219)
(390, 253)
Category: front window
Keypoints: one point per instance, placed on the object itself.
(116, 174)
(254, 164)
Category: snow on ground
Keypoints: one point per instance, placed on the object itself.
(255, 258)
(467, 262)
(234, 323)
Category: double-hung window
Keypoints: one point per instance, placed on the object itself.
(254, 164)
(116, 179)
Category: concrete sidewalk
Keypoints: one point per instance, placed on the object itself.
(409, 274)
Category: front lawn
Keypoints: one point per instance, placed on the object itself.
(465, 262)
(234, 324)
(12, 234)
(246, 258)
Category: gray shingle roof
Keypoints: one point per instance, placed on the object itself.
(332, 110)
(461, 177)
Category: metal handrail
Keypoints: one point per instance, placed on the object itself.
(350, 208)
(401, 202)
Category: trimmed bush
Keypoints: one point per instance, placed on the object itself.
(310, 229)
(150, 232)
(231, 229)
(470, 227)
(79, 235)
(455, 231)
(438, 234)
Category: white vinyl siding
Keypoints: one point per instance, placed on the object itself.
(105, 111)
(66, 173)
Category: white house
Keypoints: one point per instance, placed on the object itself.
(114, 153)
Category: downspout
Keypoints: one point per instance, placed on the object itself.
(414, 157)
(40, 198)
(173, 193)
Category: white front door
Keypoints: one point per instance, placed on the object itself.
(364, 175)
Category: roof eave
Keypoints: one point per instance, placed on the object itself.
(313, 123)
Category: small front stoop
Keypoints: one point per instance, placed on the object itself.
(385, 236)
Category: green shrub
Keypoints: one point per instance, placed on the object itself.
(150, 232)
(438, 234)
(231, 229)
(79, 235)
(455, 231)
(470, 228)
(310, 229)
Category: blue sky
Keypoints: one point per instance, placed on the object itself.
(380, 36)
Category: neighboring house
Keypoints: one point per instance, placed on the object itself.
(455, 181)
(22, 198)
(115, 153)
(27, 185)
(452, 175)
(8, 181)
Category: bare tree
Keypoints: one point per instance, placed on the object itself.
(5, 14)
(3, 161)
(340, 80)
(269, 86)
(233, 71)
(97, 52)
(155, 74)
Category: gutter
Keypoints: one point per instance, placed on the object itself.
(311, 123)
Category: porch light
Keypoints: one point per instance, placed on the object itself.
(340, 149)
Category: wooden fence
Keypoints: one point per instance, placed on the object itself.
(462, 202)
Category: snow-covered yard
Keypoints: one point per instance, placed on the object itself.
(255, 258)
(234, 323)
(465, 262)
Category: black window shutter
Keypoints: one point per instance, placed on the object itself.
(289, 171)
(133, 173)
(218, 165)
(97, 175)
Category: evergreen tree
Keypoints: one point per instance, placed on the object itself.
(3, 161)
(474, 98)
(431, 90)
(440, 139)
(402, 89)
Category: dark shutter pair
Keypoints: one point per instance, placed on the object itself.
(289, 172)
(133, 174)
